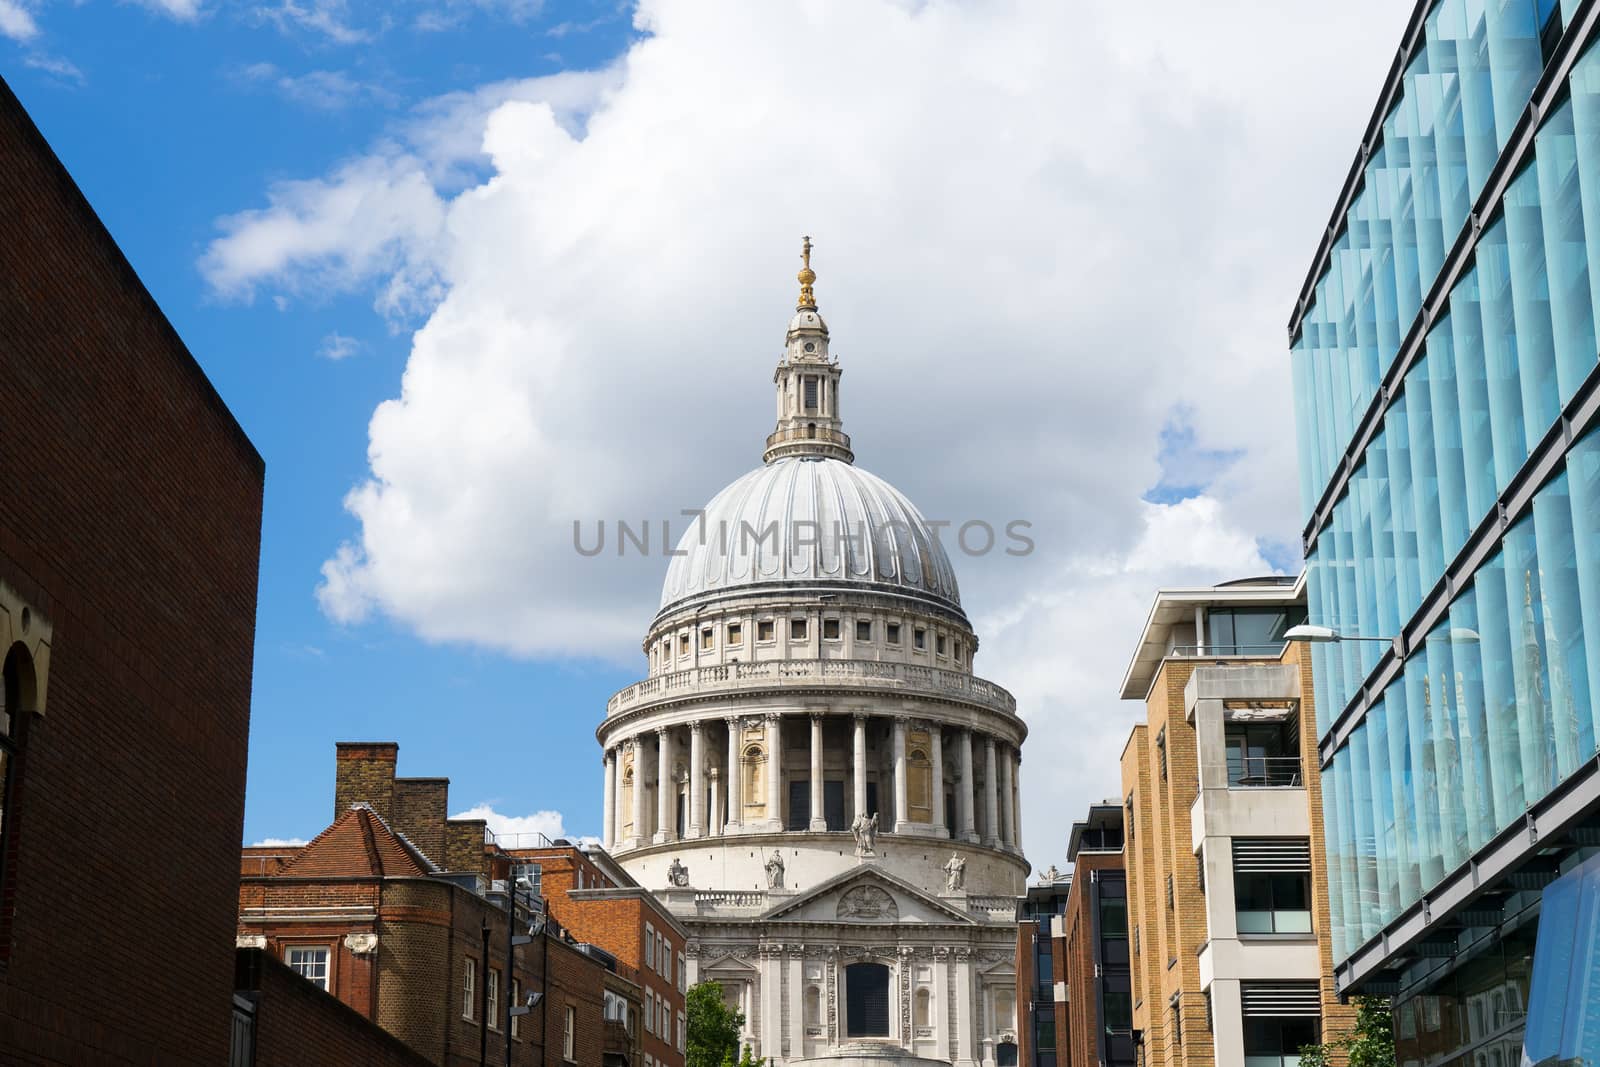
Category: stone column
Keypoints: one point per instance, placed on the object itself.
(858, 764)
(966, 1032)
(942, 1002)
(1008, 801)
(1016, 793)
(638, 837)
(714, 817)
(819, 820)
(735, 777)
(608, 818)
(775, 772)
(697, 782)
(991, 795)
(664, 786)
(936, 739)
(967, 795)
(901, 795)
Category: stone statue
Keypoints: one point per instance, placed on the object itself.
(677, 874)
(866, 833)
(775, 870)
(1049, 875)
(955, 874)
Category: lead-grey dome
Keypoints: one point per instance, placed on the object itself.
(804, 519)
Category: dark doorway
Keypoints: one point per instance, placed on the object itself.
(867, 1000)
(833, 804)
(1005, 1054)
(872, 798)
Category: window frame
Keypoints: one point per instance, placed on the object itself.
(469, 990)
(326, 982)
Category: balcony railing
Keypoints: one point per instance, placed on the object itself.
(1254, 772)
(796, 674)
(1267, 651)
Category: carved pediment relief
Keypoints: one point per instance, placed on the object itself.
(867, 903)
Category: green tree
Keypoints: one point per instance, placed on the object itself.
(713, 1039)
(1369, 1044)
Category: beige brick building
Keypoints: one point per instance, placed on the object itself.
(1227, 895)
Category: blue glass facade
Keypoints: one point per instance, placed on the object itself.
(1452, 488)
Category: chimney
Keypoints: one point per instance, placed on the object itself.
(364, 773)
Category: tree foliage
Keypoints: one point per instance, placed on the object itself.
(1369, 1044)
(713, 1038)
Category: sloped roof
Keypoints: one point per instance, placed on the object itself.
(358, 843)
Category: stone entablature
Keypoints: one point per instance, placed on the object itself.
(838, 677)
(743, 627)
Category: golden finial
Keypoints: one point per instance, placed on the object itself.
(808, 302)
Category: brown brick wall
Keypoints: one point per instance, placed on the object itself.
(421, 807)
(1076, 960)
(130, 521)
(364, 774)
(297, 1024)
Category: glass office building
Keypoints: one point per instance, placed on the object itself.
(1444, 356)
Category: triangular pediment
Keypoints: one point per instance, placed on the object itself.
(867, 894)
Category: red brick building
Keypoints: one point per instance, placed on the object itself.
(1095, 944)
(590, 895)
(418, 944)
(130, 524)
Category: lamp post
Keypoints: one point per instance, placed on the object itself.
(514, 884)
(1311, 634)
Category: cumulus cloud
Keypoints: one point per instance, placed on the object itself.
(278, 842)
(507, 828)
(1056, 244)
(17, 22)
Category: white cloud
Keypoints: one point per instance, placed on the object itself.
(325, 90)
(1044, 232)
(61, 67)
(182, 10)
(278, 842)
(17, 22)
(337, 346)
(328, 19)
(507, 828)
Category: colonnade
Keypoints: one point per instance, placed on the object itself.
(721, 779)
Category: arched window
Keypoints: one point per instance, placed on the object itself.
(866, 1000)
(755, 787)
(924, 1007)
(627, 795)
(919, 785)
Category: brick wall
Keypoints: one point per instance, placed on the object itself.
(297, 1024)
(131, 524)
(364, 774)
(421, 807)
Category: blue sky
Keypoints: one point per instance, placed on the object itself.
(165, 131)
(553, 248)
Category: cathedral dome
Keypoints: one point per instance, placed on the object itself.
(815, 521)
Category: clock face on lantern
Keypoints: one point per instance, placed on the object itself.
(811, 346)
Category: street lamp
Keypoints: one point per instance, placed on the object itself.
(1321, 635)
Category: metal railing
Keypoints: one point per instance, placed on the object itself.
(1249, 772)
(788, 674)
(1267, 651)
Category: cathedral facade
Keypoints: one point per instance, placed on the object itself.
(811, 776)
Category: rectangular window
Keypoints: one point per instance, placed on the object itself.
(309, 962)
(569, 1038)
(708, 639)
(958, 652)
(650, 946)
(919, 637)
(799, 804)
(891, 633)
(469, 990)
(764, 630)
(830, 629)
(683, 644)
(682, 984)
(1177, 1019)
(516, 1002)
(1279, 1019)
(811, 394)
(1161, 752)
(649, 1012)
(938, 644)
(1272, 885)
(735, 633)
(494, 998)
(682, 1032)
(1171, 900)
(666, 960)
(797, 629)
(863, 629)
